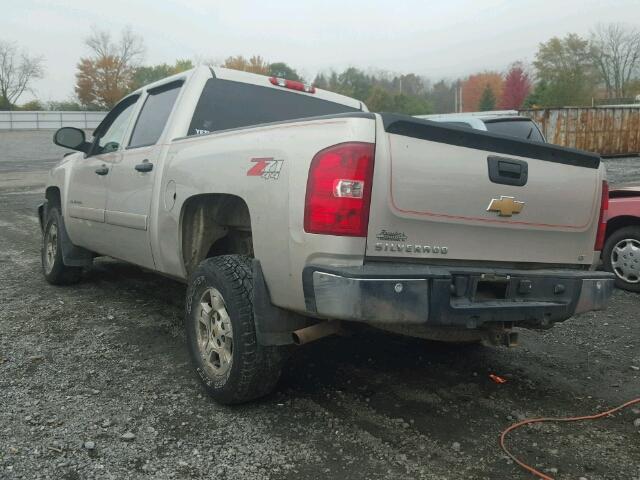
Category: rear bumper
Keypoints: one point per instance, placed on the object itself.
(388, 293)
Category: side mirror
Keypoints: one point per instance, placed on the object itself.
(70, 137)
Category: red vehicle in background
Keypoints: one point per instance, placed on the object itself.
(621, 252)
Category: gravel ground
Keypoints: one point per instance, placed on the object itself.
(95, 382)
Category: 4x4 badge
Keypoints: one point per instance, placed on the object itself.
(505, 206)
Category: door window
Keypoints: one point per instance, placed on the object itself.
(110, 133)
(154, 115)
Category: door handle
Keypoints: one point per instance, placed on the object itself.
(508, 171)
(103, 170)
(145, 166)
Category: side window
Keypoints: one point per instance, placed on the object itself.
(154, 115)
(110, 133)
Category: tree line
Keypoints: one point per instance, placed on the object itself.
(567, 71)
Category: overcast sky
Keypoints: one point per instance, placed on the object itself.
(432, 38)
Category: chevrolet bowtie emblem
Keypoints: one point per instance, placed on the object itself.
(505, 206)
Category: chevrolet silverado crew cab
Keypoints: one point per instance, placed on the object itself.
(292, 212)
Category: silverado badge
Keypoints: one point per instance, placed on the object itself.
(505, 206)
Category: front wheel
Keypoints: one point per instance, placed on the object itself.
(621, 255)
(54, 270)
(221, 335)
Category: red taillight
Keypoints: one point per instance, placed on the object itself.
(602, 220)
(339, 190)
(292, 84)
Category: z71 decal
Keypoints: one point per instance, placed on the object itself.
(266, 168)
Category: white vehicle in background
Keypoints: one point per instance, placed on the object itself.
(502, 122)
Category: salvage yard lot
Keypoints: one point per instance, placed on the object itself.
(82, 366)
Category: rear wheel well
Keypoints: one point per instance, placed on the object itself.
(212, 225)
(617, 223)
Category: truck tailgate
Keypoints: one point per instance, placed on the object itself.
(448, 193)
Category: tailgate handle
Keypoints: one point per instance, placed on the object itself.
(507, 171)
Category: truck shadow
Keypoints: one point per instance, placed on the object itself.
(367, 363)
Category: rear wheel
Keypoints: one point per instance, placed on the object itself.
(221, 335)
(53, 268)
(621, 255)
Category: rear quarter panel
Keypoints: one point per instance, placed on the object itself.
(220, 163)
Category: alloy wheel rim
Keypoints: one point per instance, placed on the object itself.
(51, 247)
(625, 260)
(214, 332)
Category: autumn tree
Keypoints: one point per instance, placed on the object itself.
(565, 65)
(107, 74)
(18, 70)
(516, 88)
(615, 52)
(145, 75)
(255, 64)
(473, 88)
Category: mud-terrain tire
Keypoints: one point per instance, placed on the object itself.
(53, 268)
(221, 334)
(621, 255)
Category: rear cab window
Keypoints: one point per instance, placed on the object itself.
(522, 128)
(225, 104)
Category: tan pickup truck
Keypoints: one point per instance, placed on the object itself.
(292, 212)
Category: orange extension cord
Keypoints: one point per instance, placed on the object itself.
(530, 421)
